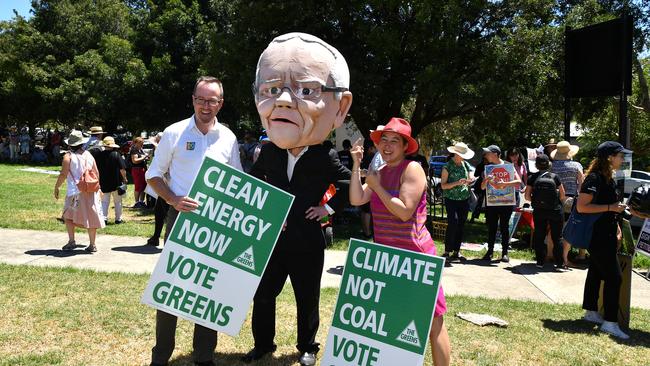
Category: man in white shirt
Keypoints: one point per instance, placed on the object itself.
(179, 156)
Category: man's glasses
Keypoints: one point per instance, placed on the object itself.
(210, 102)
(311, 90)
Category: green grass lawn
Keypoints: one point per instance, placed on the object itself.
(54, 316)
(27, 202)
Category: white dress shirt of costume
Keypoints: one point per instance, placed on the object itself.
(182, 148)
(78, 164)
(291, 165)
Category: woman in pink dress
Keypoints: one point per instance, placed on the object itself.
(81, 209)
(397, 197)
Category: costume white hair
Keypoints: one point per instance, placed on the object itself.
(339, 72)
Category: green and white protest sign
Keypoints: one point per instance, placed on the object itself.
(215, 255)
(643, 245)
(385, 307)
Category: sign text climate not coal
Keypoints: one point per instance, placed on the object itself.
(385, 307)
(215, 255)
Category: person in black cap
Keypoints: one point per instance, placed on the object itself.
(598, 194)
(546, 193)
(497, 215)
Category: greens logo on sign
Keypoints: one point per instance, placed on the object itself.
(385, 306)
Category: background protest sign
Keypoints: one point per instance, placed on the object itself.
(215, 255)
(505, 196)
(643, 245)
(384, 308)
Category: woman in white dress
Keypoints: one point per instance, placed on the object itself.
(81, 209)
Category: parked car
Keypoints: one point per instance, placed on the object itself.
(436, 163)
(148, 147)
(637, 178)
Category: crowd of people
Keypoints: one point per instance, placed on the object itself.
(19, 146)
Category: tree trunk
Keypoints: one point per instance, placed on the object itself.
(643, 86)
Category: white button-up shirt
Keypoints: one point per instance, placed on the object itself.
(182, 148)
(293, 160)
(291, 166)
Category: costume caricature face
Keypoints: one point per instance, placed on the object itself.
(301, 90)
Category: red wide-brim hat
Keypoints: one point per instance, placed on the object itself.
(401, 127)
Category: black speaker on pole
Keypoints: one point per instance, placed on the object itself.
(598, 59)
(598, 63)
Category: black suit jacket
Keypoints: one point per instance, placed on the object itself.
(314, 172)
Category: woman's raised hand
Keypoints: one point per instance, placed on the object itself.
(357, 152)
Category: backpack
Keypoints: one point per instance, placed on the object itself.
(545, 195)
(89, 179)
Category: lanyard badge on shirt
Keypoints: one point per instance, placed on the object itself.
(190, 145)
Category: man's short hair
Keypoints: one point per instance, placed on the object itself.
(339, 72)
(347, 144)
(207, 79)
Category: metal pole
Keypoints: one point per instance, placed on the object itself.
(567, 98)
(624, 124)
(567, 118)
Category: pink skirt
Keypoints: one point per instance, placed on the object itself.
(441, 302)
(84, 209)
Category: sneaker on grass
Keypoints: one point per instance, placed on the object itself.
(612, 328)
(593, 317)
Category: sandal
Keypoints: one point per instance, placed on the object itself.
(70, 245)
(91, 249)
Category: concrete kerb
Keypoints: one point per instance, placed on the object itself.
(515, 280)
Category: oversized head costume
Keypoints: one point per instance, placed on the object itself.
(301, 90)
(301, 93)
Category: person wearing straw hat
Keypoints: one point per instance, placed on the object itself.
(112, 174)
(571, 175)
(397, 196)
(550, 146)
(95, 140)
(455, 180)
(81, 209)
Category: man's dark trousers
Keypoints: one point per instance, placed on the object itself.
(205, 339)
(305, 271)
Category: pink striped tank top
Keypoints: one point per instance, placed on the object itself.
(411, 234)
